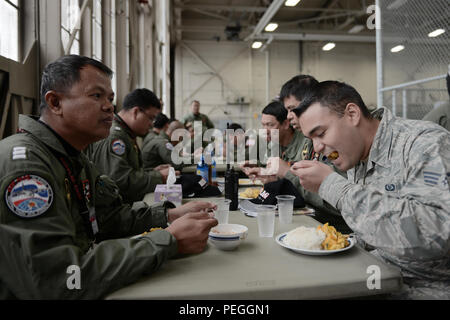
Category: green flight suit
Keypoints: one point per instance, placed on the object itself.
(119, 157)
(157, 150)
(206, 122)
(44, 236)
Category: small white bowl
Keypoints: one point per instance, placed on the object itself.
(228, 236)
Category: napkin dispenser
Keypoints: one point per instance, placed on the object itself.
(170, 191)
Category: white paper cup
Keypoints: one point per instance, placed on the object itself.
(266, 220)
(285, 208)
(223, 211)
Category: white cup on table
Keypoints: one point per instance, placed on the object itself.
(223, 211)
(266, 220)
(285, 208)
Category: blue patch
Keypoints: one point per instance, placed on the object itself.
(389, 187)
(29, 196)
(118, 147)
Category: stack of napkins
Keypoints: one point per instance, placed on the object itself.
(249, 208)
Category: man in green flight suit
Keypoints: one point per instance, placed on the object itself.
(119, 156)
(158, 151)
(64, 229)
(195, 115)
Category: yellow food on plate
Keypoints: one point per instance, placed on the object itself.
(333, 156)
(334, 240)
(250, 193)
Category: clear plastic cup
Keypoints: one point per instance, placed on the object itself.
(223, 211)
(266, 220)
(285, 208)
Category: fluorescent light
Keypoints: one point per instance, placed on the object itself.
(436, 33)
(356, 28)
(397, 48)
(256, 44)
(271, 27)
(291, 3)
(328, 46)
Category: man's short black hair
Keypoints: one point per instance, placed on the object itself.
(235, 126)
(334, 95)
(276, 109)
(160, 120)
(142, 98)
(298, 87)
(61, 74)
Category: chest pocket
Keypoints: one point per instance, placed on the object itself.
(386, 181)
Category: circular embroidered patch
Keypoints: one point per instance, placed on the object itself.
(29, 196)
(118, 147)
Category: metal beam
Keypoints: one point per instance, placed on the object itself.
(316, 37)
(259, 9)
(77, 27)
(265, 19)
(215, 73)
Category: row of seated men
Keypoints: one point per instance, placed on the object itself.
(61, 211)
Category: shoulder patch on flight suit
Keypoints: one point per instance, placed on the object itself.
(29, 196)
(118, 147)
(169, 146)
(19, 153)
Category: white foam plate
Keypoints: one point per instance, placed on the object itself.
(248, 182)
(279, 239)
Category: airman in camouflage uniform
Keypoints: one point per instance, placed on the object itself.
(397, 195)
(292, 93)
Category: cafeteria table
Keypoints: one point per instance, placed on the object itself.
(261, 269)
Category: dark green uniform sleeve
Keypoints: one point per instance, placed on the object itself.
(41, 257)
(133, 181)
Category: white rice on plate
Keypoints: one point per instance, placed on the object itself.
(305, 238)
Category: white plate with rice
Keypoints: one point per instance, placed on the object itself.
(309, 243)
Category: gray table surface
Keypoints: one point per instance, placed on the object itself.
(261, 269)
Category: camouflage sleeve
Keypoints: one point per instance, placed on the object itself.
(311, 198)
(413, 221)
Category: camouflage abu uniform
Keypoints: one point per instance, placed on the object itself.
(43, 231)
(399, 201)
(119, 157)
(301, 148)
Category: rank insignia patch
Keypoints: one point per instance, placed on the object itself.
(29, 196)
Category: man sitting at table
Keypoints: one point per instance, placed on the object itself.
(397, 195)
(119, 156)
(64, 229)
(158, 150)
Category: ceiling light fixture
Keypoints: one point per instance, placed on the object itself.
(291, 3)
(436, 33)
(271, 27)
(256, 44)
(397, 48)
(328, 46)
